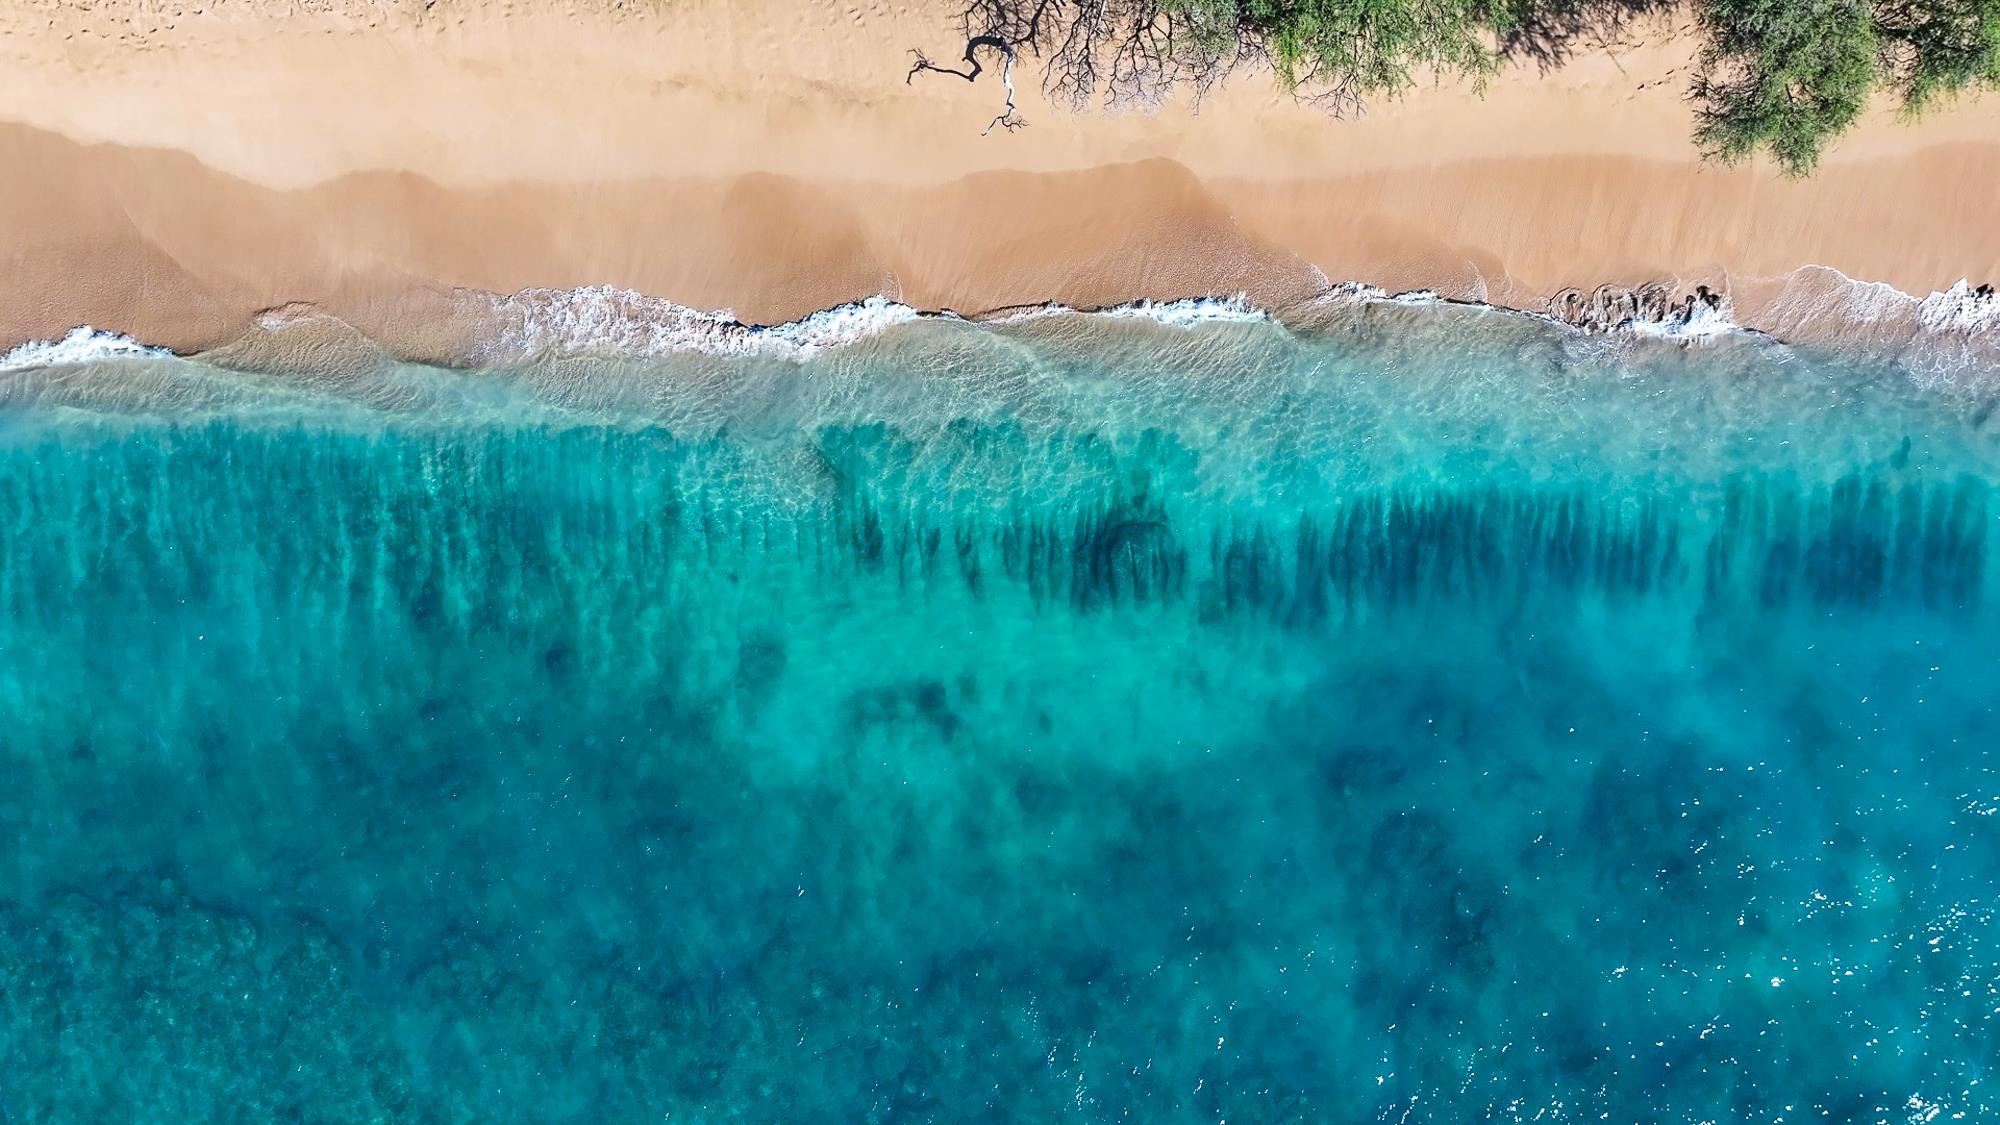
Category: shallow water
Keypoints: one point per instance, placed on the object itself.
(1434, 717)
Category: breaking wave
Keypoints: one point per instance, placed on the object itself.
(1943, 333)
(537, 323)
(83, 344)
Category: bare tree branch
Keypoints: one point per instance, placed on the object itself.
(1008, 117)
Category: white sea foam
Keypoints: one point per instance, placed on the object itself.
(1949, 332)
(1184, 313)
(1350, 292)
(83, 344)
(1356, 292)
(605, 319)
(1193, 311)
(1958, 331)
(1651, 311)
(1947, 329)
(1360, 293)
(601, 319)
(1693, 318)
(1961, 308)
(1824, 294)
(1697, 320)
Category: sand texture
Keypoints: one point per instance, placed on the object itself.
(170, 170)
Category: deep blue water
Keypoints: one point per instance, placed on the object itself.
(1439, 717)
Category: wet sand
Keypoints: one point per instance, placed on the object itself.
(171, 172)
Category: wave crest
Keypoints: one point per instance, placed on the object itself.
(83, 344)
(1952, 330)
(1961, 308)
(601, 319)
(537, 322)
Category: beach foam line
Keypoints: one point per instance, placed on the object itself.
(1960, 325)
(1698, 320)
(1360, 292)
(1961, 308)
(1185, 312)
(1948, 332)
(597, 319)
(82, 344)
(1694, 317)
(603, 319)
(1960, 321)
(1189, 312)
(1815, 292)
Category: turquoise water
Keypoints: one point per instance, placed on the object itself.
(1435, 717)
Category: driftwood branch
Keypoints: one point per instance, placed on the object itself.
(1008, 117)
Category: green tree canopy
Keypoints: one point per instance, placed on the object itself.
(1780, 77)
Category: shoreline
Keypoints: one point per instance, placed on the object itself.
(174, 181)
(1947, 332)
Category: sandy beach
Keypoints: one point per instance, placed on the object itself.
(172, 169)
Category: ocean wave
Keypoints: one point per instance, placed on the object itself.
(603, 319)
(1647, 311)
(1416, 297)
(1950, 329)
(537, 322)
(1697, 319)
(1360, 292)
(1652, 310)
(1961, 308)
(1191, 311)
(1184, 313)
(83, 344)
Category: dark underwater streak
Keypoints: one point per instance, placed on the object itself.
(638, 509)
(449, 771)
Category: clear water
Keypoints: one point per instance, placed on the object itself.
(1433, 718)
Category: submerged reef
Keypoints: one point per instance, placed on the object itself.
(1429, 719)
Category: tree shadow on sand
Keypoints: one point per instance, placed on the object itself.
(1135, 53)
(1549, 35)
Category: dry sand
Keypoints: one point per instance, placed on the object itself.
(168, 168)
